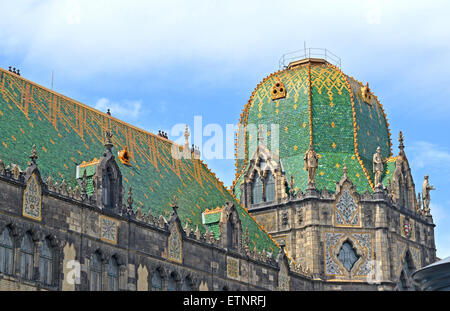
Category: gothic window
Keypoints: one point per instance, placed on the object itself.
(403, 285)
(262, 164)
(26, 257)
(405, 196)
(108, 194)
(230, 231)
(172, 283)
(257, 190)
(156, 281)
(347, 255)
(46, 263)
(6, 252)
(300, 216)
(96, 272)
(187, 284)
(113, 275)
(407, 270)
(270, 188)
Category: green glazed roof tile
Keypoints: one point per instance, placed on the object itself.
(322, 105)
(67, 132)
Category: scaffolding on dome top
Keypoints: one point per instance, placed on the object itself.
(325, 54)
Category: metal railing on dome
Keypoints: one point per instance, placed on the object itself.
(325, 54)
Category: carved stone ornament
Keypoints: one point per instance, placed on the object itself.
(32, 199)
(175, 245)
(347, 210)
(232, 268)
(108, 229)
(283, 278)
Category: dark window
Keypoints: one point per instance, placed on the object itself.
(113, 275)
(348, 256)
(96, 272)
(172, 284)
(257, 190)
(270, 188)
(187, 285)
(108, 182)
(156, 281)
(46, 263)
(26, 257)
(6, 252)
(230, 232)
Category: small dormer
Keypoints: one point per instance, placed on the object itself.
(225, 224)
(102, 179)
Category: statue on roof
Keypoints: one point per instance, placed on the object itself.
(426, 188)
(311, 164)
(378, 168)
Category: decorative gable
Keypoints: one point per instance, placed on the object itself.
(347, 211)
(175, 243)
(32, 199)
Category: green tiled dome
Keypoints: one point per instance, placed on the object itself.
(323, 106)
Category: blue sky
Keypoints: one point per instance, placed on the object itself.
(159, 63)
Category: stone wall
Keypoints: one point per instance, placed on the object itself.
(78, 229)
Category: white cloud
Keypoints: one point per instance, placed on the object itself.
(124, 109)
(426, 154)
(102, 35)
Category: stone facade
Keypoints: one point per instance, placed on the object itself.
(390, 239)
(142, 245)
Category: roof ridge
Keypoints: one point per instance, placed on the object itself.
(89, 107)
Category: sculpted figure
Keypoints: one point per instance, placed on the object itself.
(378, 167)
(426, 188)
(311, 164)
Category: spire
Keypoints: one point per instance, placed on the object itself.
(108, 141)
(84, 183)
(33, 155)
(400, 145)
(186, 137)
(175, 204)
(345, 169)
(130, 199)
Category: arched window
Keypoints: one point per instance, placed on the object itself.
(113, 275)
(270, 188)
(172, 283)
(26, 257)
(6, 252)
(96, 272)
(108, 195)
(405, 196)
(187, 284)
(46, 263)
(408, 269)
(257, 190)
(347, 255)
(230, 232)
(156, 281)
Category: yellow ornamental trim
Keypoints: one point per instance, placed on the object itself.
(355, 133)
(90, 163)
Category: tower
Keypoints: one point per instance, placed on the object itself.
(325, 182)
